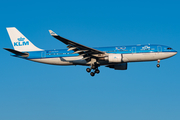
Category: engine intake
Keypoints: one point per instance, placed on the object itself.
(112, 58)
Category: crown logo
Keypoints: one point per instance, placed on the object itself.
(20, 39)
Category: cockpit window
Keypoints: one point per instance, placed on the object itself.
(169, 48)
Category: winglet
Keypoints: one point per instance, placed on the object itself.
(52, 33)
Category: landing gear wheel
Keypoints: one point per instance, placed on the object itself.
(88, 70)
(158, 65)
(92, 74)
(97, 71)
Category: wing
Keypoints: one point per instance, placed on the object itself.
(78, 48)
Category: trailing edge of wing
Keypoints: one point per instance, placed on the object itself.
(74, 44)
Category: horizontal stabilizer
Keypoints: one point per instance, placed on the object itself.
(17, 52)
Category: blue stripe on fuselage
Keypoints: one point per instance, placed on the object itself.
(115, 49)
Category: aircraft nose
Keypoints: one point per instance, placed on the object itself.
(174, 53)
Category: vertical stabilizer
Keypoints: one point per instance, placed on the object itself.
(19, 41)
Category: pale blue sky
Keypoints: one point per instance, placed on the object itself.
(35, 91)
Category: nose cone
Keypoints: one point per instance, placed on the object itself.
(174, 53)
(170, 54)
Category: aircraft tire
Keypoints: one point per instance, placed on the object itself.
(92, 74)
(88, 70)
(97, 71)
(158, 65)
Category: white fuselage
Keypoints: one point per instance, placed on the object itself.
(134, 57)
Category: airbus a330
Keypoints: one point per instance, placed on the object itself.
(115, 57)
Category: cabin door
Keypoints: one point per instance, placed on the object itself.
(43, 54)
(159, 48)
(133, 49)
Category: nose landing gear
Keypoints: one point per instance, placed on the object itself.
(158, 65)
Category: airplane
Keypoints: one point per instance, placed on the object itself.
(115, 57)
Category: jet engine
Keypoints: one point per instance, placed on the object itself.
(112, 58)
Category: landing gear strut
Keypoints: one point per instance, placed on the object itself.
(158, 65)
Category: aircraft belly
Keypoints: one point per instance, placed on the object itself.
(75, 60)
(164, 55)
(61, 61)
(138, 57)
(53, 61)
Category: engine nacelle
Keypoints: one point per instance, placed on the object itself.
(122, 66)
(114, 58)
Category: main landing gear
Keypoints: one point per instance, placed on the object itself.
(95, 68)
(158, 65)
(96, 71)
